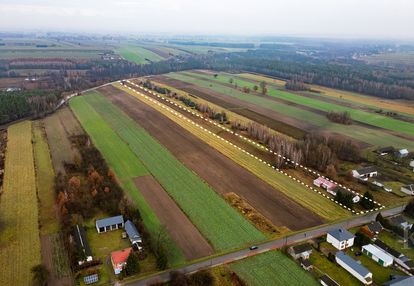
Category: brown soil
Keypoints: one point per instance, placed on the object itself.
(218, 171)
(185, 234)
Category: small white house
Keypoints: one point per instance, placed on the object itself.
(378, 255)
(340, 238)
(365, 173)
(408, 189)
(353, 267)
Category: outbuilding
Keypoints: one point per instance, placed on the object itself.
(82, 245)
(353, 267)
(325, 184)
(340, 238)
(365, 173)
(408, 189)
(110, 223)
(133, 234)
(325, 280)
(378, 255)
(402, 153)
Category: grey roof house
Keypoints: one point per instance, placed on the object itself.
(133, 234)
(110, 223)
(375, 227)
(82, 245)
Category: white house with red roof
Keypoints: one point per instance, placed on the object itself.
(119, 259)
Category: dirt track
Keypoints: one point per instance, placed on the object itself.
(217, 170)
(184, 233)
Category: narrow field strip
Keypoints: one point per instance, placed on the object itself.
(219, 223)
(19, 239)
(125, 165)
(256, 144)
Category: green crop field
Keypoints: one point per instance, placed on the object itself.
(19, 238)
(371, 136)
(356, 114)
(138, 55)
(45, 180)
(222, 225)
(124, 163)
(272, 268)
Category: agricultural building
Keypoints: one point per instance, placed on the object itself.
(408, 189)
(340, 238)
(300, 251)
(378, 255)
(133, 234)
(385, 151)
(110, 223)
(365, 173)
(353, 267)
(119, 259)
(325, 280)
(82, 244)
(325, 184)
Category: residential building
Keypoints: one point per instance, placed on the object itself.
(133, 234)
(408, 189)
(373, 228)
(340, 238)
(324, 183)
(401, 222)
(353, 267)
(365, 173)
(325, 280)
(110, 223)
(400, 281)
(82, 245)
(378, 255)
(300, 251)
(399, 258)
(305, 263)
(119, 259)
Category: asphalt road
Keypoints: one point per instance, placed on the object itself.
(271, 245)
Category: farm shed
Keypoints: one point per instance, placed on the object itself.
(385, 150)
(119, 259)
(110, 223)
(325, 280)
(300, 251)
(378, 255)
(325, 184)
(82, 244)
(408, 189)
(353, 267)
(403, 153)
(400, 281)
(340, 238)
(133, 234)
(365, 173)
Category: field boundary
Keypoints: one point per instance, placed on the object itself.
(380, 206)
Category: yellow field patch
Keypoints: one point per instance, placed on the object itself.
(19, 237)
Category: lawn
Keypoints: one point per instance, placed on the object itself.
(396, 242)
(19, 240)
(125, 165)
(272, 268)
(45, 179)
(219, 223)
(356, 114)
(138, 55)
(360, 133)
(299, 193)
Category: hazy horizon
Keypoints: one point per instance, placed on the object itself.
(383, 19)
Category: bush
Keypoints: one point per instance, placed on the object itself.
(202, 278)
(132, 265)
(339, 117)
(178, 279)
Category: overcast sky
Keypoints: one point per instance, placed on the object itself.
(339, 18)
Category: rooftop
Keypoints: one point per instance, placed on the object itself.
(377, 252)
(132, 231)
(109, 221)
(387, 248)
(328, 281)
(361, 270)
(302, 248)
(341, 234)
(120, 256)
(400, 281)
(375, 226)
(81, 241)
(367, 170)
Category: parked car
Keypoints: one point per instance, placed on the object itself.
(253, 247)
